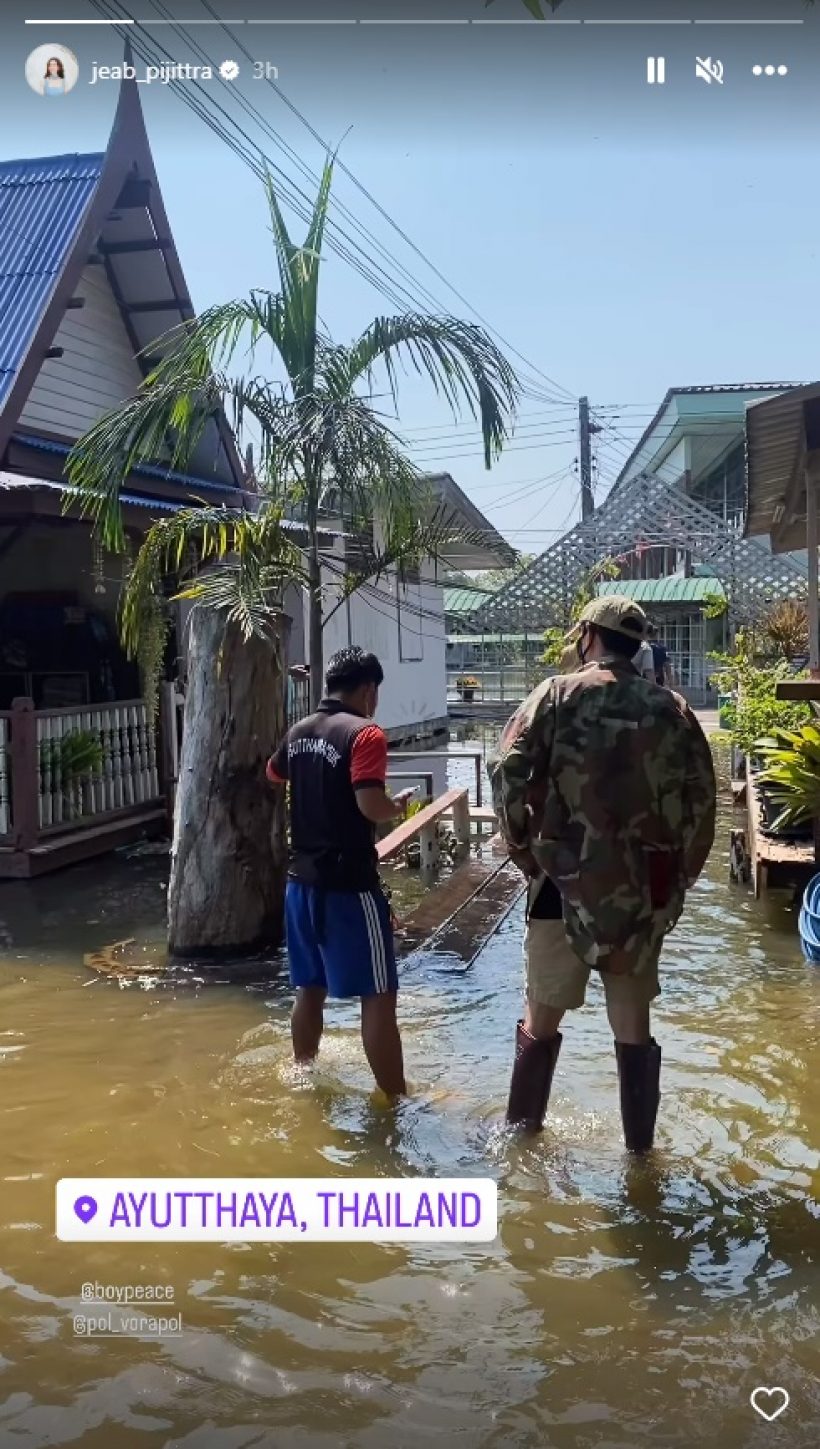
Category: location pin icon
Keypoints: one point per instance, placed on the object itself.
(85, 1208)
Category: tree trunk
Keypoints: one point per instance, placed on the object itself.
(229, 857)
(315, 652)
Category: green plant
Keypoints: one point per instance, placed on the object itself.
(715, 606)
(468, 681)
(791, 773)
(151, 637)
(69, 761)
(755, 712)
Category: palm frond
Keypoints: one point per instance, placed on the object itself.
(257, 544)
(248, 594)
(459, 358)
(163, 422)
(299, 280)
(407, 544)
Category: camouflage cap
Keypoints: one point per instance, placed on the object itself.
(618, 613)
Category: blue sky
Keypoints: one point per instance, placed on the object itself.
(623, 238)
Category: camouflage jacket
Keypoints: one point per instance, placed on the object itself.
(607, 780)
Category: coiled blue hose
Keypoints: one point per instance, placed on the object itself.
(809, 926)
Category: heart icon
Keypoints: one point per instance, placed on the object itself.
(769, 1403)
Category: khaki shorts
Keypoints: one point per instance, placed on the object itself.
(556, 977)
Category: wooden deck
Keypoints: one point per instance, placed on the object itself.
(776, 864)
(459, 914)
(457, 918)
(71, 846)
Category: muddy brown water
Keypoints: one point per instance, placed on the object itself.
(622, 1305)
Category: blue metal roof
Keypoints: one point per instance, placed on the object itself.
(42, 204)
(140, 500)
(145, 470)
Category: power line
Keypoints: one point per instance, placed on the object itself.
(389, 219)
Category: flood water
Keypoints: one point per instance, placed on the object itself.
(622, 1304)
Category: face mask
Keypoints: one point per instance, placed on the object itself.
(580, 650)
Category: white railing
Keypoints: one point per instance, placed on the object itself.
(94, 761)
(5, 777)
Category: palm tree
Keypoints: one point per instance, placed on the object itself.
(325, 450)
(324, 446)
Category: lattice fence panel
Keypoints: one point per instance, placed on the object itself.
(648, 513)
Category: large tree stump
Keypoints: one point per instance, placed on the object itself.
(229, 854)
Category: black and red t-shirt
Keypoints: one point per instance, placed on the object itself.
(325, 759)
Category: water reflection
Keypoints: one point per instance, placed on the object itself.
(624, 1304)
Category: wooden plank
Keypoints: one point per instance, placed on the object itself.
(775, 863)
(410, 829)
(70, 847)
(457, 893)
(804, 690)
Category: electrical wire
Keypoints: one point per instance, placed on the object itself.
(531, 390)
(558, 387)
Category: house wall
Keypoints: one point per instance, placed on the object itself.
(404, 626)
(676, 463)
(96, 372)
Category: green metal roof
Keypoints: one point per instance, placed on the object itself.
(673, 590)
(464, 600)
(536, 638)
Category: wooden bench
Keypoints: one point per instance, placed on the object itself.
(423, 827)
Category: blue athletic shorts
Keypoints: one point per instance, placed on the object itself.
(343, 942)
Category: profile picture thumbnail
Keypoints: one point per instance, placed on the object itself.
(52, 70)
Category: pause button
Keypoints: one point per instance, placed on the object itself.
(655, 70)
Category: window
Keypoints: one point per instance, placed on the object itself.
(410, 620)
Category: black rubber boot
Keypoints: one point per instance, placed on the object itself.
(532, 1078)
(639, 1074)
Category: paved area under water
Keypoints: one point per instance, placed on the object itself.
(622, 1305)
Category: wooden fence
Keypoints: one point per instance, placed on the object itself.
(68, 769)
(5, 777)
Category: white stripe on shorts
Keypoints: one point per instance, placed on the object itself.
(374, 933)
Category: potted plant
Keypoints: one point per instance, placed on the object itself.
(790, 781)
(466, 685)
(68, 764)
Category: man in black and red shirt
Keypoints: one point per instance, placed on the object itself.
(339, 933)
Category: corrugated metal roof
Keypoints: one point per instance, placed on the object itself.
(736, 387)
(702, 390)
(140, 500)
(463, 600)
(672, 590)
(143, 470)
(42, 204)
(33, 485)
(498, 637)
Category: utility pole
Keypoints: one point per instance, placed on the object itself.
(585, 430)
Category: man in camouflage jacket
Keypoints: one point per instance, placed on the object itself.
(605, 790)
